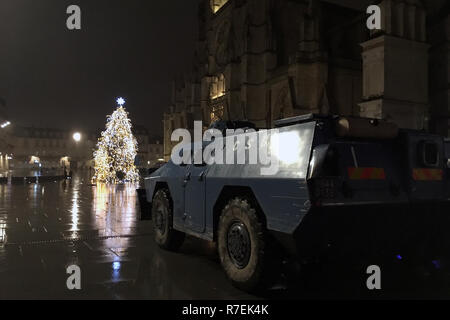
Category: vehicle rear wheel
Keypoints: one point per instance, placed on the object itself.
(242, 245)
(162, 215)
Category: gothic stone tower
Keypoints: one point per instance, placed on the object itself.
(395, 66)
(262, 60)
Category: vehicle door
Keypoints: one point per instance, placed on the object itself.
(194, 196)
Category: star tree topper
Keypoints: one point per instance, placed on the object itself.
(120, 101)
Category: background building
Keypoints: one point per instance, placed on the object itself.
(185, 107)
(262, 60)
(155, 151)
(5, 144)
(26, 149)
(51, 148)
(151, 150)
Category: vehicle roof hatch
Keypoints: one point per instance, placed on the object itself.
(300, 119)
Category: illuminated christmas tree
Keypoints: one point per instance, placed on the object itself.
(116, 150)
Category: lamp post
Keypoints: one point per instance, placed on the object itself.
(75, 156)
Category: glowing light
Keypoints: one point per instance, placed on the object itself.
(286, 147)
(5, 124)
(35, 160)
(2, 232)
(77, 136)
(75, 211)
(120, 101)
(436, 264)
(116, 270)
(216, 5)
(116, 151)
(116, 266)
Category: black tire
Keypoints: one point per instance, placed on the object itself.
(245, 264)
(162, 215)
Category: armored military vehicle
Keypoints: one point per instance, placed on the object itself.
(343, 185)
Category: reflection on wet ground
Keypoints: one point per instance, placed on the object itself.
(45, 228)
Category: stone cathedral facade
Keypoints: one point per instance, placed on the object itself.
(263, 60)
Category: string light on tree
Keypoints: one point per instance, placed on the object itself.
(116, 149)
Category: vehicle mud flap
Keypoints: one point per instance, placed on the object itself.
(146, 208)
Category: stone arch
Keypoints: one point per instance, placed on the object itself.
(283, 105)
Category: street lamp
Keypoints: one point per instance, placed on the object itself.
(77, 137)
(5, 124)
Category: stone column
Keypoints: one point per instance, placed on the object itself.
(395, 67)
(308, 69)
(440, 75)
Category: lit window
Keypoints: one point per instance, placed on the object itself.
(2, 232)
(217, 88)
(217, 4)
(217, 113)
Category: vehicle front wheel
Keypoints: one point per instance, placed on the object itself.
(162, 215)
(242, 246)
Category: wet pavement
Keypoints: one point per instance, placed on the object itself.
(44, 228)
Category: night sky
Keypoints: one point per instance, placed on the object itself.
(53, 77)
